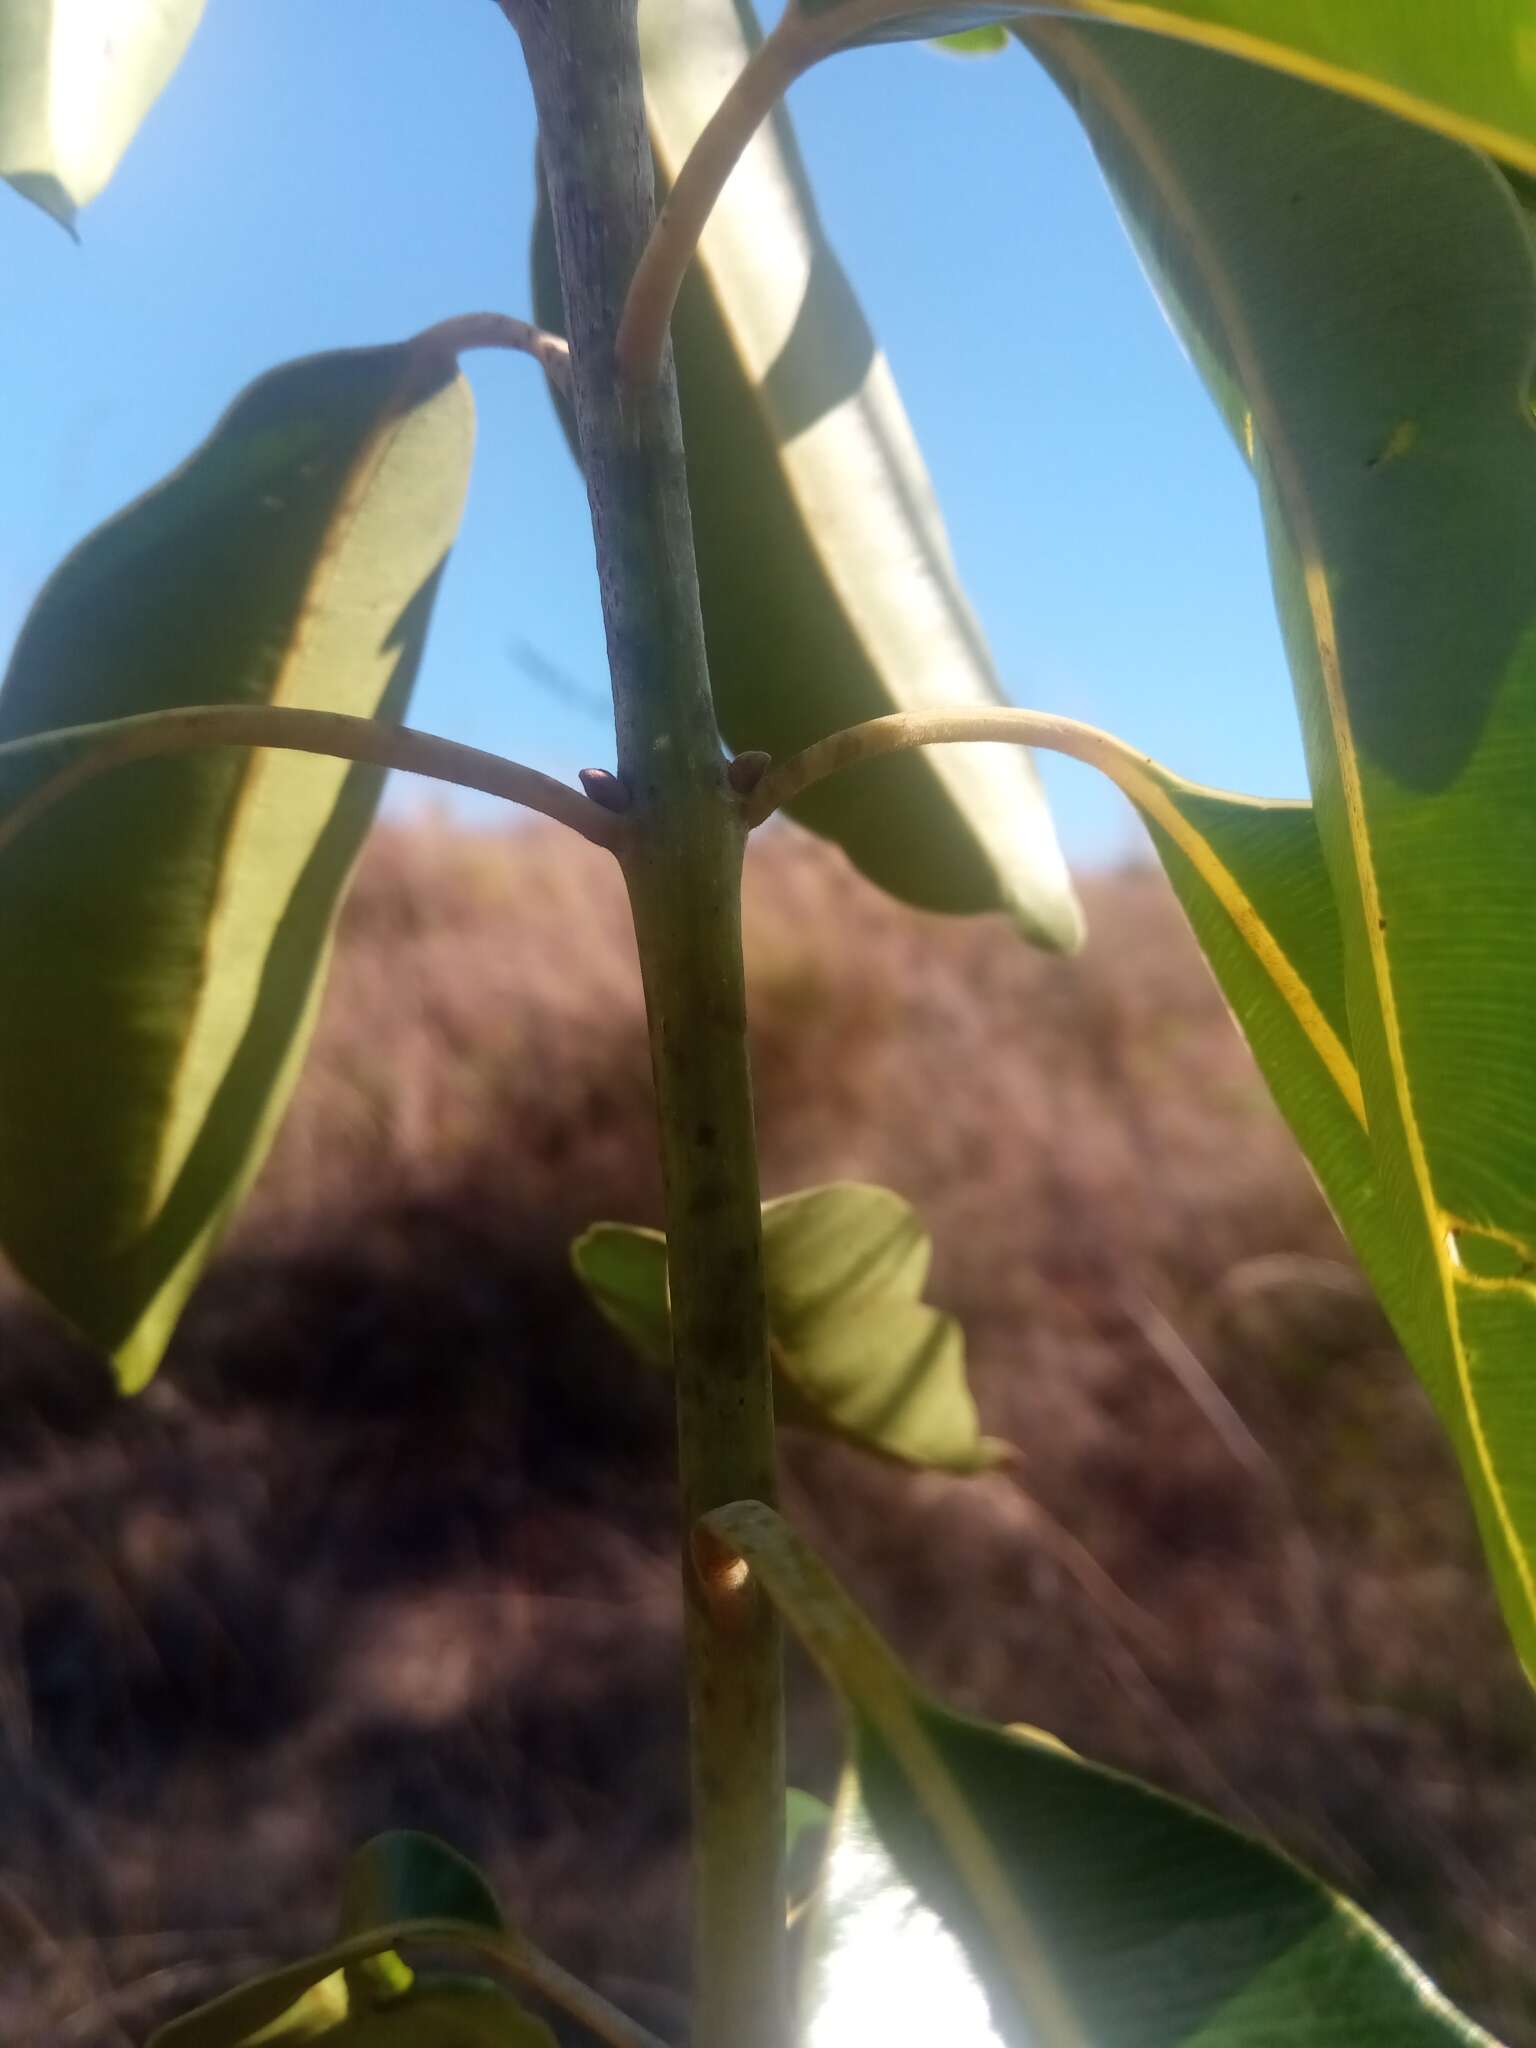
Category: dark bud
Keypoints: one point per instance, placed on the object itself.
(605, 789)
(748, 770)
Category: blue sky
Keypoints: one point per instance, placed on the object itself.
(313, 179)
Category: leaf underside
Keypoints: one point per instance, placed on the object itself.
(166, 926)
(77, 78)
(857, 1353)
(1361, 297)
(828, 588)
(1466, 72)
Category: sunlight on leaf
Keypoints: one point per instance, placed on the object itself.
(167, 925)
(857, 1353)
(76, 79)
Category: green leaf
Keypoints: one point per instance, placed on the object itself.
(437, 2011)
(1090, 1908)
(975, 42)
(857, 1352)
(1467, 71)
(804, 1814)
(76, 79)
(1368, 291)
(167, 925)
(1253, 882)
(407, 1875)
(829, 591)
(403, 1888)
(319, 2011)
(877, 1963)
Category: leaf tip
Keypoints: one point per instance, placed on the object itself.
(46, 193)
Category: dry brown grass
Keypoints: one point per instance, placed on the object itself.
(389, 1542)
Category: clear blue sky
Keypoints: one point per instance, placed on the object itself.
(331, 172)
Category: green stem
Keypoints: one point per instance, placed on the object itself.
(682, 857)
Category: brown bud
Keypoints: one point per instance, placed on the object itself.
(748, 770)
(605, 789)
(724, 1581)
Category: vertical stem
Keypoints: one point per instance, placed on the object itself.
(684, 873)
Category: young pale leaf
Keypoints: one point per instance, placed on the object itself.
(167, 925)
(76, 79)
(1366, 292)
(1080, 1907)
(829, 591)
(447, 2012)
(400, 1886)
(1465, 70)
(437, 2011)
(857, 1353)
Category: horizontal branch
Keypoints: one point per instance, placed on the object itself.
(95, 749)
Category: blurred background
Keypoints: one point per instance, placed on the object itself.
(390, 1540)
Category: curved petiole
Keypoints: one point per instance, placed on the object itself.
(798, 42)
(772, 69)
(92, 750)
(466, 331)
(901, 731)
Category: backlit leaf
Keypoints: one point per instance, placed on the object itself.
(1468, 71)
(857, 1352)
(400, 1887)
(76, 79)
(167, 925)
(1363, 294)
(1062, 1905)
(438, 2011)
(829, 591)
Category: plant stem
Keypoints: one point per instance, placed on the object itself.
(682, 858)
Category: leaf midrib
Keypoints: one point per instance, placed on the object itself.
(171, 1153)
(1291, 488)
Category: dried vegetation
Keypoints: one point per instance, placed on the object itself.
(390, 1540)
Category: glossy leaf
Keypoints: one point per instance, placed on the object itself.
(1467, 71)
(1090, 1909)
(76, 79)
(829, 591)
(857, 1353)
(878, 1963)
(407, 1875)
(167, 925)
(400, 1887)
(438, 2011)
(1366, 293)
